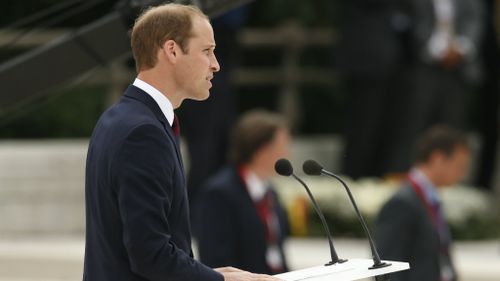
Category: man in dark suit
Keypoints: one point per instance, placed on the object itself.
(446, 44)
(411, 225)
(240, 221)
(137, 210)
(371, 57)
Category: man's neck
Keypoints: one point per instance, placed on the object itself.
(258, 171)
(156, 80)
(429, 174)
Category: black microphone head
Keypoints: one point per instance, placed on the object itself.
(312, 168)
(283, 167)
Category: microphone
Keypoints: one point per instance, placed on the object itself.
(284, 168)
(313, 168)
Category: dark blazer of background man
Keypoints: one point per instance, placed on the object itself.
(240, 221)
(137, 210)
(411, 226)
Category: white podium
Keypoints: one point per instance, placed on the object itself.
(353, 269)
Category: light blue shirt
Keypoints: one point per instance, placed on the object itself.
(428, 187)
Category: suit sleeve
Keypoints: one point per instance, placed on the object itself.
(217, 236)
(143, 177)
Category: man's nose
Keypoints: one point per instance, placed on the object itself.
(215, 64)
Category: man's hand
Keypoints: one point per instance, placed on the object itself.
(234, 274)
(452, 57)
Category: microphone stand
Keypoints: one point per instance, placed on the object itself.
(333, 253)
(376, 258)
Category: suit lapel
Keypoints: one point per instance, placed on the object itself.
(247, 201)
(138, 94)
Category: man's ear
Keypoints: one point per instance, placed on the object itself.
(170, 50)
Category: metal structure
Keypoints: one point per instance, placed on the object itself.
(68, 57)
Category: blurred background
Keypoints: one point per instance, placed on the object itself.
(355, 78)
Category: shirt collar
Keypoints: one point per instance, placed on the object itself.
(425, 183)
(256, 187)
(162, 101)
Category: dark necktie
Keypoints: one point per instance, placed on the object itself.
(176, 128)
(265, 211)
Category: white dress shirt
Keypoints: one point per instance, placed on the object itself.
(257, 190)
(162, 101)
(444, 31)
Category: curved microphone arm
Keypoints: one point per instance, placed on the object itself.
(333, 253)
(376, 258)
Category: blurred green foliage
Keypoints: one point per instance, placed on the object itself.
(71, 112)
(477, 227)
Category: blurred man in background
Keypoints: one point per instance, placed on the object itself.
(372, 58)
(489, 97)
(240, 221)
(445, 41)
(411, 226)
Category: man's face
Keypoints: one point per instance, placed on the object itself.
(197, 66)
(279, 147)
(453, 168)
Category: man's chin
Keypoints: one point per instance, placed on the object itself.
(204, 96)
(201, 97)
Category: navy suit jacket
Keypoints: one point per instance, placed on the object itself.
(404, 232)
(228, 227)
(137, 212)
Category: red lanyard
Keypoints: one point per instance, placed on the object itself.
(428, 206)
(264, 207)
(439, 224)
